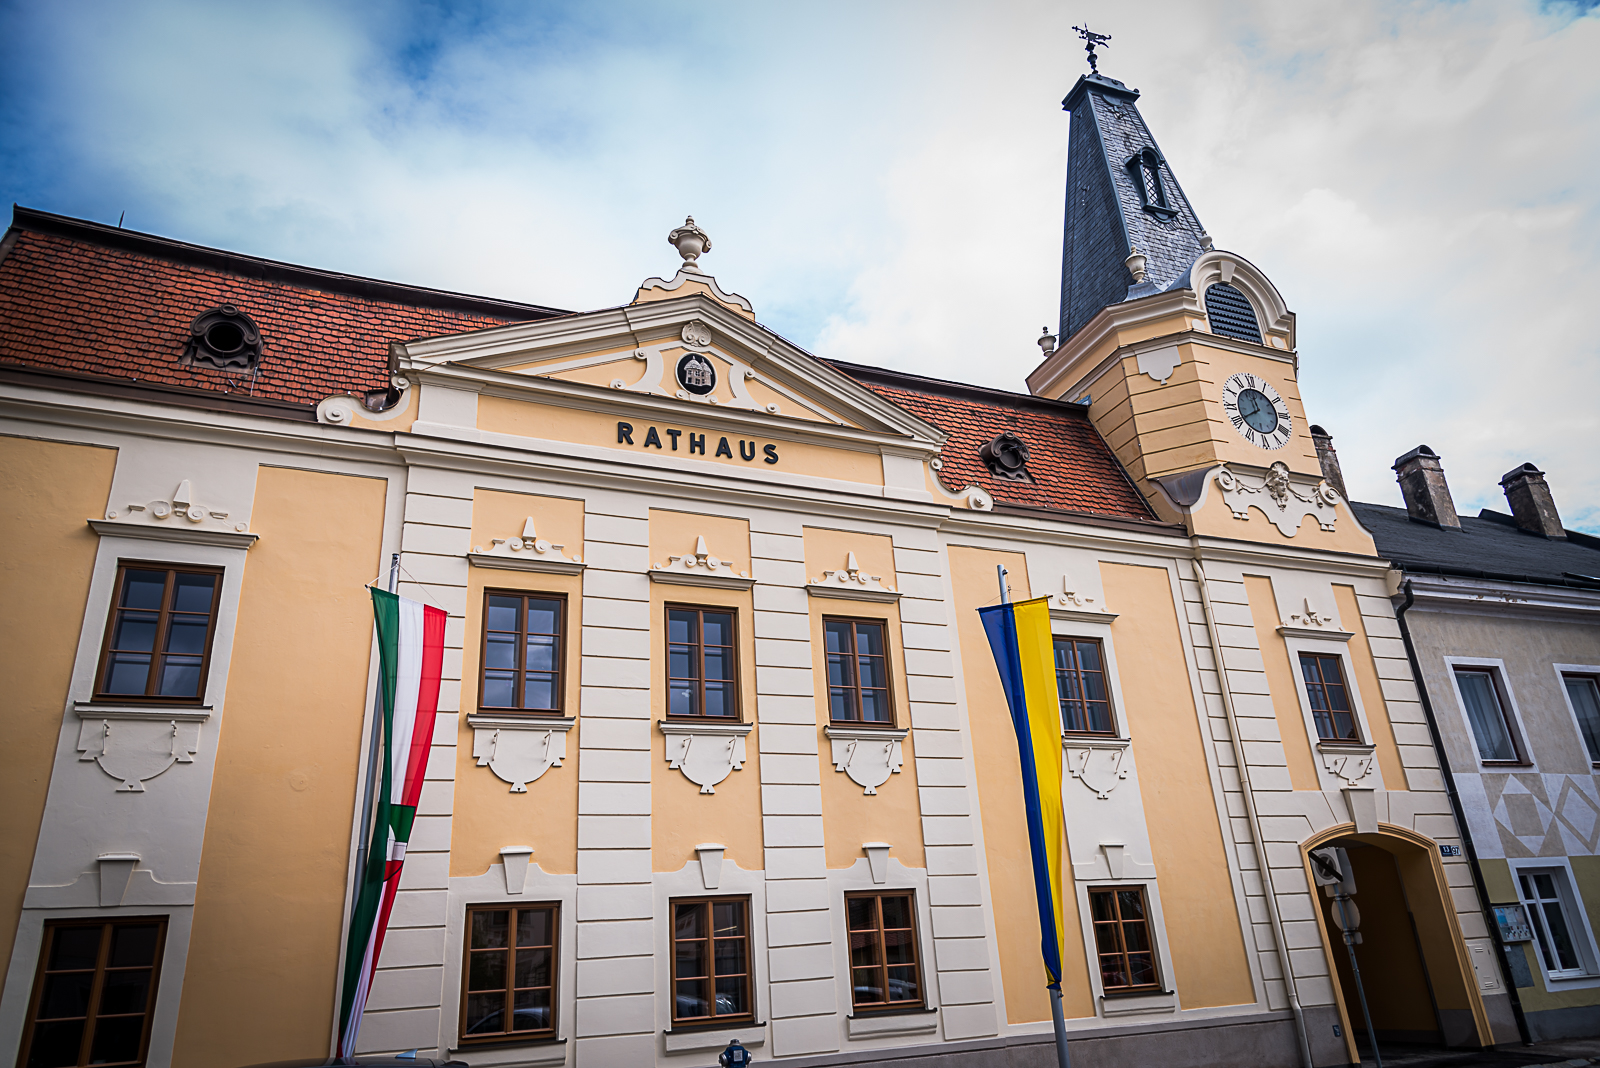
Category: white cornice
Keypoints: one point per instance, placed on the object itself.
(1108, 320)
(1514, 600)
(227, 539)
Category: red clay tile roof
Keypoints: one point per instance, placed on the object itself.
(88, 299)
(1073, 468)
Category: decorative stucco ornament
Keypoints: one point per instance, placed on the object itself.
(696, 334)
(519, 749)
(869, 755)
(691, 243)
(1097, 763)
(1310, 617)
(701, 562)
(853, 580)
(1352, 763)
(133, 747)
(1277, 498)
(706, 753)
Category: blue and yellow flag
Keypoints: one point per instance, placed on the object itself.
(1019, 634)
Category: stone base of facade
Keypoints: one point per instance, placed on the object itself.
(1579, 1021)
(1256, 1040)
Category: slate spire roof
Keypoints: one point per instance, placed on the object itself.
(1121, 194)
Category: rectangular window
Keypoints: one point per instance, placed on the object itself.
(1584, 694)
(884, 970)
(1330, 698)
(93, 994)
(858, 672)
(1081, 686)
(522, 651)
(509, 983)
(1544, 892)
(702, 670)
(158, 640)
(1122, 938)
(711, 960)
(1490, 727)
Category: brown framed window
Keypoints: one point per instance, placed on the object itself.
(158, 640)
(1330, 698)
(885, 969)
(702, 662)
(522, 651)
(711, 960)
(1122, 938)
(1492, 728)
(1081, 686)
(858, 671)
(93, 993)
(509, 979)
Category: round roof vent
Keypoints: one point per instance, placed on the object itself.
(225, 338)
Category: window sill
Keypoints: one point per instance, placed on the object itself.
(536, 721)
(1137, 1003)
(142, 709)
(912, 1020)
(508, 1042)
(693, 1037)
(490, 1053)
(1094, 741)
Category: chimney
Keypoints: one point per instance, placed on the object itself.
(1531, 503)
(1329, 460)
(1422, 484)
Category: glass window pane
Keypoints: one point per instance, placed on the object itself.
(487, 971)
(863, 917)
(1094, 687)
(1135, 936)
(729, 957)
(65, 995)
(690, 921)
(544, 617)
(144, 589)
(682, 663)
(486, 1014)
(533, 967)
(842, 703)
(869, 639)
(1308, 668)
(691, 956)
(718, 628)
(136, 632)
(1545, 885)
(682, 700)
(1132, 904)
(180, 676)
(500, 651)
(875, 706)
(1101, 905)
(1586, 703)
(683, 626)
(193, 593)
(837, 636)
(1088, 655)
(116, 1039)
(74, 947)
(872, 671)
(187, 634)
(896, 912)
(532, 1012)
(1105, 938)
(490, 928)
(533, 928)
(1483, 713)
(903, 985)
(691, 999)
(55, 1045)
(502, 613)
(541, 653)
(1141, 969)
(718, 664)
(128, 673)
(898, 948)
(124, 991)
(1099, 716)
(839, 673)
(730, 996)
(539, 691)
(1560, 937)
(499, 690)
(727, 918)
(867, 984)
(1112, 975)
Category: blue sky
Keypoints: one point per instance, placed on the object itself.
(884, 180)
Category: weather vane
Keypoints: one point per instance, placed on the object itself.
(1091, 39)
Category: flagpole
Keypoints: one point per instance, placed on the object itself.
(372, 752)
(1057, 1016)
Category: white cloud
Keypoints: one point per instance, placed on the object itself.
(885, 182)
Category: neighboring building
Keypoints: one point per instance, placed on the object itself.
(723, 751)
(1502, 613)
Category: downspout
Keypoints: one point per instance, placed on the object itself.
(1461, 816)
(1271, 894)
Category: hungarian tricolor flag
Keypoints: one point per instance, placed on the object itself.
(411, 652)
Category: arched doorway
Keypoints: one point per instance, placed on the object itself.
(1419, 981)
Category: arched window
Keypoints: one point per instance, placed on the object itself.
(1145, 169)
(1231, 314)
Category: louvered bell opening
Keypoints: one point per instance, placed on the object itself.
(1152, 190)
(1231, 314)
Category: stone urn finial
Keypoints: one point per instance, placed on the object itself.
(1047, 342)
(691, 242)
(1136, 265)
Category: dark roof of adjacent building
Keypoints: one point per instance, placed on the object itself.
(114, 306)
(1072, 468)
(1105, 212)
(1488, 546)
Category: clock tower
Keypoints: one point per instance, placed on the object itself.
(1183, 352)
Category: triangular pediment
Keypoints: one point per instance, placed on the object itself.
(689, 350)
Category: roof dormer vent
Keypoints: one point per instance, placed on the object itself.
(225, 338)
(1006, 456)
(1145, 167)
(1231, 314)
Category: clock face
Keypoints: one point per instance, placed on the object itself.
(1256, 411)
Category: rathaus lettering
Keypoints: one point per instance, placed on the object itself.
(696, 444)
